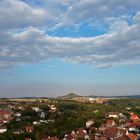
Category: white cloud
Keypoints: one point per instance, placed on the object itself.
(60, 13)
(119, 47)
(17, 14)
(27, 43)
(136, 18)
(97, 11)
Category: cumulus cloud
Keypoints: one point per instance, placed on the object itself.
(136, 18)
(97, 11)
(23, 41)
(18, 14)
(118, 47)
(60, 13)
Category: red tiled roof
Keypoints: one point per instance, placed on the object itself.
(99, 138)
(132, 136)
(124, 137)
(29, 128)
(110, 122)
(5, 112)
(134, 124)
(134, 117)
(113, 132)
(128, 123)
(110, 132)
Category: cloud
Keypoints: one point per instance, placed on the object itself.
(24, 37)
(118, 47)
(97, 12)
(17, 14)
(136, 18)
(63, 13)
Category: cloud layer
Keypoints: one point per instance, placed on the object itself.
(23, 38)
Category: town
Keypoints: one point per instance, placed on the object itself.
(69, 118)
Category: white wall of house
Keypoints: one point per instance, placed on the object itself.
(3, 130)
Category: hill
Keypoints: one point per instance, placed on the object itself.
(69, 96)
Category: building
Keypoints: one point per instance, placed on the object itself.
(3, 129)
(5, 116)
(28, 139)
(29, 129)
(134, 118)
(110, 123)
(89, 123)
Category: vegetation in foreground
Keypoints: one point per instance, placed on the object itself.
(65, 116)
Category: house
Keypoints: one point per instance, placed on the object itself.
(3, 129)
(52, 108)
(113, 115)
(134, 118)
(131, 113)
(17, 114)
(99, 100)
(122, 120)
(123, 137)
(18, 119)
(67, 137)
(29, 129)
(21, 108)
(121, 115)
(74, 135)
(36, 109)
(36, 123)
(101, 129)
(19, 131)
(42, 115)
(88, 137)
(92, 129)
(116, 115)
(128, 108)
(28, 139)
(110, 123)
(111, 133)
(16, 107)
(134, 124)
(50, 121)
(91, 99)
(96, 111)
(132, 136)
(89, 123)
(43, 121)
(97, 137)
(81, 132)
(133, 127)
(5, 116)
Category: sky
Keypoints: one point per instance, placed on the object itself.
(51, 48)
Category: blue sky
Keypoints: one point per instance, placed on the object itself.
(90, 47)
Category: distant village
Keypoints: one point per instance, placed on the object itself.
(117, 125)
